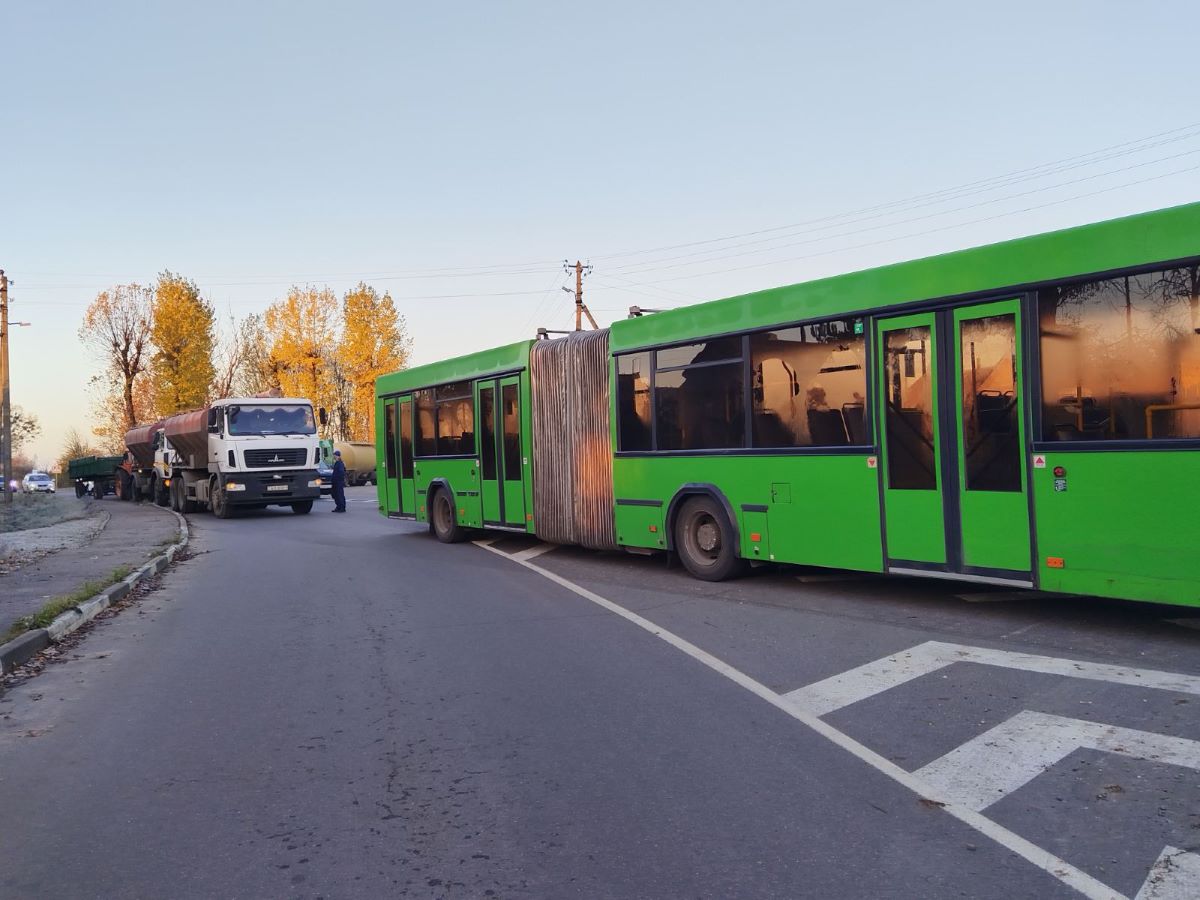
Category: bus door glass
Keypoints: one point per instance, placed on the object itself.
(389, 485)
(511, 463)
(993, 494)
(489, 481)
(408, 489)
(914, 520)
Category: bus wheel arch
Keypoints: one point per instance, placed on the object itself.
(702, 531)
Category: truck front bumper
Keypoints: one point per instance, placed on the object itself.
(263, 488)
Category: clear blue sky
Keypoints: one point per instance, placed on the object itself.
(255, 145)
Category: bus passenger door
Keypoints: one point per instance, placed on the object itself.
(911, 464)
(407, 484)
(511, 463)
(389, 443)
(993, 493)
(489, 482)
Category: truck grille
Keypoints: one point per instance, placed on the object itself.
(263, 459)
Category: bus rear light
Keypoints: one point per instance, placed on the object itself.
(1054, 562)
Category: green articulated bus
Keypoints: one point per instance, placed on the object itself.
(1025, 413)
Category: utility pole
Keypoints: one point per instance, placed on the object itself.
(5, 410)
(580, 307)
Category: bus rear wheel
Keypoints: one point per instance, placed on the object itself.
(442, 520)
(704, 541)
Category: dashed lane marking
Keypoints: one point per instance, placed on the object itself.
(989, 767)
(1048, 862)
(823, 697)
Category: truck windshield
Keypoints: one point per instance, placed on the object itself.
(261, 419)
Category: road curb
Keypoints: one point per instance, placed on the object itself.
(20, 650)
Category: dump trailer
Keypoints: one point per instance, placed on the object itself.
(357, 456)
(95, 475)
(241, 453)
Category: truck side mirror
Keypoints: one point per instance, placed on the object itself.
(214, 421)
(323, 416)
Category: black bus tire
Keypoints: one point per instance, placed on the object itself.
(704, 541)
(442, 520)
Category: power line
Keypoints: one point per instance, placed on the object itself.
(941, 228)
(654, 265)
(894, 203)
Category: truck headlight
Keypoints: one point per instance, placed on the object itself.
(234, 486)
(316, 482)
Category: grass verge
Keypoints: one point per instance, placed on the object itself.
(59, 605)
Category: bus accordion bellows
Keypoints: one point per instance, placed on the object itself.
(1025, 413)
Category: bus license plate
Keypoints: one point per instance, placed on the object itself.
(277, 487)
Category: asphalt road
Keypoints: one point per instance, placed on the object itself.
(338, 706)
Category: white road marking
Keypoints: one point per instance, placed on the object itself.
(1043, 859)
(989, 767)
(1174, 876)
(823, 697)
(531, 552)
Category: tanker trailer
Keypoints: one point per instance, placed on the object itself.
(359, 459)
(242, 453)
(144, 474)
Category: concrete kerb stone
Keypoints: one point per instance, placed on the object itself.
(20, 650)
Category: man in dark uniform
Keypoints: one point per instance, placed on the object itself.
(339, 482)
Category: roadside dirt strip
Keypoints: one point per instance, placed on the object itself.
(22, 649)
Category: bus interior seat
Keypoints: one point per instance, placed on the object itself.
(854, 415)
(827, 428)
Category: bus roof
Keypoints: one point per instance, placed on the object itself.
(509, 358)
(1142, 239)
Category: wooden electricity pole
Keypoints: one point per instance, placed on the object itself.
(580, 307)
(5, 411)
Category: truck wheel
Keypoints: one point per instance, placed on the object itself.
(160, 490)
(302, 507)
(124, 486)
(442, 520)
(704, 541)
(220, 502)
(80, 490)
(173, 495)
(98, 489)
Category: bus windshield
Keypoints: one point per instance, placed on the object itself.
(262, 419)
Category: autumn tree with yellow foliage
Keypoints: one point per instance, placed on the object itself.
(182, 332)
(301, 329)
(374, 342)
(159, 353)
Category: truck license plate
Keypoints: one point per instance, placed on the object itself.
(277, 487)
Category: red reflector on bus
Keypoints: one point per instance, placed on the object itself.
(1054, 562)
(755, 536)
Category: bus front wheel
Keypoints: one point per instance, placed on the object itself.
(442, 520)
(704, 540)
